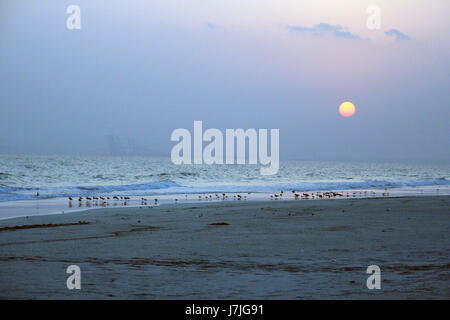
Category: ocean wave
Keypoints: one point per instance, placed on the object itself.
(170, 187)
(22, 193)
(4, 175)
(313, 186)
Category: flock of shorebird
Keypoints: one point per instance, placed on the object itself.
(326, 194)
(106, 201)
(124, 200)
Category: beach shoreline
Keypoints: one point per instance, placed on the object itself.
(233, 250)
(61, 205)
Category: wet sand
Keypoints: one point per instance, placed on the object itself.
(233, 250)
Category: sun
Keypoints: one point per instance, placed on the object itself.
(347, 109)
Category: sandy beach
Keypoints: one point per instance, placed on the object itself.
(233, 250)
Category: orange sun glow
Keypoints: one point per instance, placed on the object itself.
(347, 109)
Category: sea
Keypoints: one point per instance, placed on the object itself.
(22, 177)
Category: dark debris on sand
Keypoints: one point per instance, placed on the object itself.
(50, 225)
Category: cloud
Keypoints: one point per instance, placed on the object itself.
(325, 28)
(399, 36)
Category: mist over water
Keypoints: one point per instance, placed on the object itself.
(21, 177)
(141, 70)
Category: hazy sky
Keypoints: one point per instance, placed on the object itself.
(140, 69)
